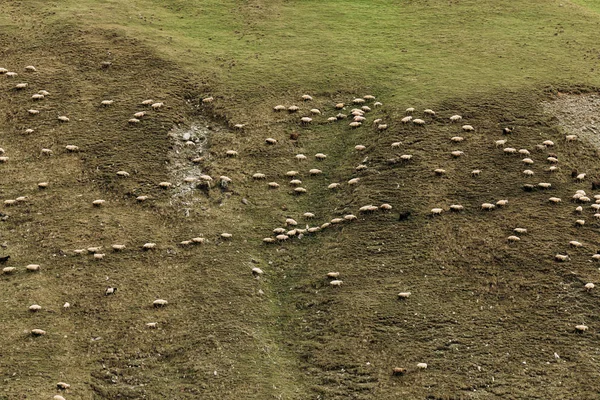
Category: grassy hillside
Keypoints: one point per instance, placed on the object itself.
(488, 317)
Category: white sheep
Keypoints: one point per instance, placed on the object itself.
(159, 303)
(336, 283)
(273, 185)
(524, 152)
(29, 131)
(439, 171)
(35, 308)
(545, 185)
(548, 143)
(475, 173)
(468, 128)
(107, 103)
(142, 198)
(404, 295)
(257, 272)
(295, 182)
(315, 111)
(552, 160)
(429, 112)
(291, 173)
(457, 139)
(123, 174)
(46, 152)
(580, 222)
(455, 118)
(156, 106)
(353, 181)
(271, 141)
(4, 159)
(396, 145)
(30, 68)
(589, 286)
(406, 157)
(268, 240)
(488, 206)
(437, 211)
(554, 200)
(350, 217)
(231, 153)
(502, 203)
(457, 153)
(422, 365)
(418, 121)
(98, 202)
(293, 108)
(33, 267)
(320, 156)
(580, 177)
(571, 138)
(33, 112)
(118, 247)
(575, 243)
(63, 118)
(8, 270)
(19, 86)
(359, 147)
(410, 110)
(337, 220)
(406, 120)
(149, 246)
(308, 215)
(301, 157)
(385, 207)
(561, 257)
(581, 328)
(354, 124)
(333, 186)
(552, 169)
(259, 175)
(456, 207)
(306, 97)
(37, 96)
(133, 121)
(332, 119)
(520, 230)
(306, 120)
(358, 101)
(361, 167)
(10, 202)
(528, 172)
(510, 150)
(527, 161)
(315, 171)
(279, 108)
(38, 332)
(99, 256)
(291, 222)
(11, 74)
(299, 190)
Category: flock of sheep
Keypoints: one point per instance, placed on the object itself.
(291, 228)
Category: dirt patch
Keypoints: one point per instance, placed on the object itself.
(578, 115)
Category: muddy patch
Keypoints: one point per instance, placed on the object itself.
(578, 115)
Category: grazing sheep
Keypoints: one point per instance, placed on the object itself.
(404, 295)
(561, 257)
(336, 283)
(3, 71)
(8, 270)
(107, 103)
(341, 116)
(118, 247)
(406, 120)
(396, 145)
(291, 222)
(575, 243)
(554, 200)
(358, 101)
(422, 365)
(475, 173)
(507, 131)
(429, 112)
(148, 246)
(10, 202)
(159, 303)
(63, 118)
(142, 198)
(488, 206)
(361, 167)
(552, 160)
(99, 256)
(301, 157)
(581, 328)
(353, 181)
(580, 177)
(548, 143)
(231, 153)
(282, 238)
(306, 97)
(315, 111)
(457, 153)
(139, 114)
(510, 150)
(406, 157)
(350, 217)
(268, 240)
(520, 230)
(456, 207)
(580, 222)
(291, 173)
(418, 121)
(315, 171)
(257, 272)
(98, 202)
(33, 112)
(273, 185)
(524, 152)
(333, 186)
(339, 106)
(359, 147)
(410, 110)
(33, 267)
(336, 220)
(527, 161)
(439, 171)
(457, 139)
(239, 126)
(385, 207)
(37, 96)
(46, 152)
(29, 131)
(596, 257)
(528, 172)
(571, 138)
(295, 182)
(133, 121)
(500, 143)
(11, 74)
(293, 109)
(437, 211)
(147, 102)
(279, 108)
(3, 159)
(19, 86)
(320, 156)
(397, 371)
(579, 209)
(354, 124)
(156, 106)
(123, 174)
(468, 128)
(502, 203)
(455, 118)
(38, 332)
(35, 307)
(589, 286)
(332, 119)
(258, 175)
(271, 141)
(552, 169)
(306, 120)
(208, 100)
(545, 185)
(382, 127)
(365, 108)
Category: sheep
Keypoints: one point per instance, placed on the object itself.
(580, 177)
(353, 181)
(4, 159)
(11, 74)
(63, 118)
(552, 160)
(457, 153)
(544, 185)
(37, 96)
(207, 100)
(293, 108)
(456, 207)
(107, 103)
(35, 307)
(133, 121)
(361, 167)
(406, 120)
(422, 365)
(552, 169)
(299, 190)
(439, 171)
(147, 102)
(19, 86)
(308, 215)
(436, 211)
(524, 152)
(488, 206)
(149, 246)
(315, 111)
(257, 272)
(575, 243)
(268, 240)
(358, 101)
(404, 295)
(58, 397)
(571, 138)
(397, 371)
(10, 202)
(279, 230)
(332, 119)
(93, 250)
(527, 161)
(198, 240)
(306, 120)
(520, 230)
(315, 171)
(418, 122)
(156, 106)
(159, 303)
(33, 112)
(291, 173)
(596, 257)
(528, 172)
(396, 145)
(336, 220)
(507, 131)
(99, 256)
(29, 131)
(98, 202)
(589, 286)
(291, 222)
(8, 270)
(354, 124)
(596, 206)
(580, 222)
(561, 257)
(468, 128)
(3, 71)
(457, 139)
(105, 64)
(341, 116)
(510, 150)
(320, 156)
(581, 328)
(597, 215)
(66, 306)
(429, 112)
(500, 143)
(79, 251)
(359, 147)
(38, 332)
(295, 182)
(43, 185)
(385, 207)
(118, 247)
(554, 200)
(382, 127)
(502, 203)
(139, 114)
(548, 143)
(336, 283)
(410, 110)
(142, 198)
(455, 118)
(350, 217)
(273, 185)
(271, 141)
(301, 157)
(365, 108)
(46, 152)
(2, 151)
(282, 238)
(333, 186)
(475, 173)
(279, 108)
(21, 199)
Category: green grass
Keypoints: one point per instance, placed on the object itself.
(480, 308)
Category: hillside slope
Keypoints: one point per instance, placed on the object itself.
(489, 317)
